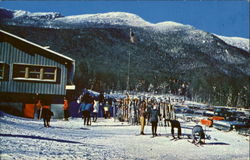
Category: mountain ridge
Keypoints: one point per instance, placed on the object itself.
(57, 20)
(165, 60)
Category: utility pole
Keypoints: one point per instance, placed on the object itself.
(132, 40)
(127, 88)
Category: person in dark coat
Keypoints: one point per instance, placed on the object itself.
(149, 108)
(198, 131)
(175, 124)
(101, 100)
(46, 113)
(154, 113)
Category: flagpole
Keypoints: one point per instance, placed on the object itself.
(128, 71)
(132, 40)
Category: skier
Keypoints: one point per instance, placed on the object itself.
(197, 130)
(154, 113)
(142, 112)
(175, 124)
(149, 108)
(46, 113)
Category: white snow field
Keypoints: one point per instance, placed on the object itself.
(23, 138)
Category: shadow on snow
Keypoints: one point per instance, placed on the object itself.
(38, 137)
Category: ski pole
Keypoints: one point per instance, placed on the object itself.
(40, 114)
(205, 134)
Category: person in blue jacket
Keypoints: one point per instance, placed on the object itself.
(87, 107)
(154, 114)
(198, 131)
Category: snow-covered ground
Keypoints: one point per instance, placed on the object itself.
(23, 138)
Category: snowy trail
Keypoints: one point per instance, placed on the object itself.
(27, 139)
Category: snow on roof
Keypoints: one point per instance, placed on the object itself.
(38, 46)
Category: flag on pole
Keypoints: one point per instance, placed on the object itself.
(132, 36)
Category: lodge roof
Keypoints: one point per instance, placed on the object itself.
(4, 34)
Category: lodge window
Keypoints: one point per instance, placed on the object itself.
(2, 69)
(34, 72)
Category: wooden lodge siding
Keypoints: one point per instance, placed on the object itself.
(37, 70)
(10, 55)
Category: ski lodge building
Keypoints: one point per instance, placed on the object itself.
(29, 71)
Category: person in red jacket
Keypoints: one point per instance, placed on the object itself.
(66, 109)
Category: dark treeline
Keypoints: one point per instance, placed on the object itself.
(211, 90)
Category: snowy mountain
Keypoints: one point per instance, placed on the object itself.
(163, 53)
(242, 43)
(25, 15)
(56, 20)
(111, 18)
(170, 26)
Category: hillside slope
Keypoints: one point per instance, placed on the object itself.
(165, 57)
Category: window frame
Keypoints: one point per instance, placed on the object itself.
(3, 71)
(41, 73)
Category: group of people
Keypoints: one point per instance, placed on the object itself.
(90, 105)
(152, 111)
(143, 111)
(43, 110)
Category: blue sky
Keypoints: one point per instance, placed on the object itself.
(226, 17)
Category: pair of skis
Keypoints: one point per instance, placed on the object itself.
(196, 144)
(175, 139)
